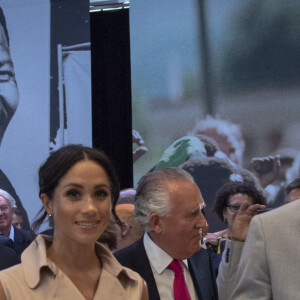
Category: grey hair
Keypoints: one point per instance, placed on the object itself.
(8, 197)
(152, 194)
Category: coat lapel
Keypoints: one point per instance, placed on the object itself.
(144, 269)
(203, 277)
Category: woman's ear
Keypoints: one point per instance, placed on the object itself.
(47, 203)
(125, 229)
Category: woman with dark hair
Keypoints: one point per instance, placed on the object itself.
(78, 189)
(228, 201)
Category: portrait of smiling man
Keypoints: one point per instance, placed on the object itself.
(169, 207)
(9, 99)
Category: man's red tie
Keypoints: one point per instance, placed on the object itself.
(181, 291)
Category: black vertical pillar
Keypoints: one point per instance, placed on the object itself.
(111, 89)
(205, 60)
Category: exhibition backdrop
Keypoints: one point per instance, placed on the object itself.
(232, 60)
(52, 110)
(253, 60)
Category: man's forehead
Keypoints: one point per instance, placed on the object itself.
(177, 183)
(188, 192)
(201, 204)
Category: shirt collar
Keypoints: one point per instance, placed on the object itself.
(12, 232)
(158, 258)
(34, 257)
(110, 263)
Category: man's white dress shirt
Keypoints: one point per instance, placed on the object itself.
(164, 277)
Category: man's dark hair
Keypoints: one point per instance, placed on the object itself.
(3, 24)
(295, 184)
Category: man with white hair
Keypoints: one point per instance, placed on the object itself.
(168, 206)
(21, 238)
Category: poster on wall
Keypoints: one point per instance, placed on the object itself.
(45, 90)
(215, 90)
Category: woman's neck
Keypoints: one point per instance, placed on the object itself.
(72, 255)
(80, 263)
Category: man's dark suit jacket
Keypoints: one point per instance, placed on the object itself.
(8, 257)
(200, 267)
(22, 239)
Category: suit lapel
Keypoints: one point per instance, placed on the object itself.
(144, 269)
(201, 272)
(18, 241)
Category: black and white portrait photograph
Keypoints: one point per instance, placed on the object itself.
(45, 89)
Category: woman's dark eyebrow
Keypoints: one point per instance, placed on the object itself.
(80, 186)
(102, 185)
(72, 185)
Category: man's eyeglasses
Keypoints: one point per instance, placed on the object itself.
(4, 208)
